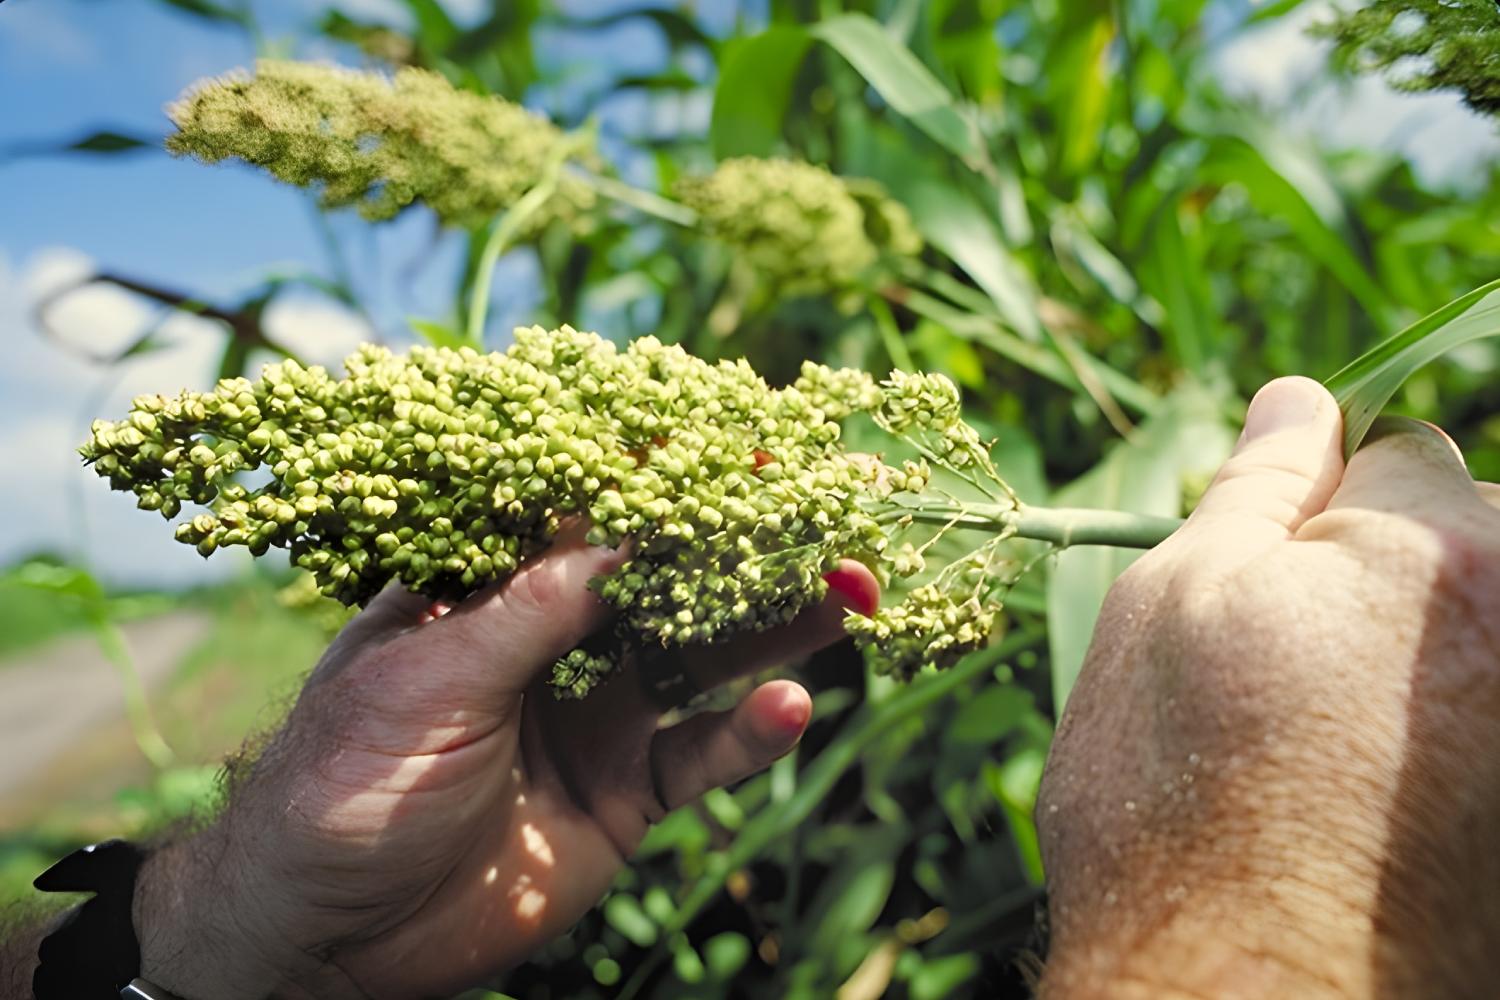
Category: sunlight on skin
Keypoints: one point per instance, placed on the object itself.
(501, 891)
(529, 902)
(380, 796)
(536, 844)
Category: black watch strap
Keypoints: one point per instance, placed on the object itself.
(139, 989)
(94, 953)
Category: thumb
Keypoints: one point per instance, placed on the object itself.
(521, 626)
(1285, 467)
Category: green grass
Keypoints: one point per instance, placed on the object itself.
(237, 681)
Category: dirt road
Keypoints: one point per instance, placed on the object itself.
(54, 697)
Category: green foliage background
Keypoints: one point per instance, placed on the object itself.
(1118, 255)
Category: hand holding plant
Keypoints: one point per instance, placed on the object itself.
(1278, 772)
(430, 815)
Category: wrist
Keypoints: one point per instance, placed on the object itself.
(1220, 954)
(207, 930)
(186, 911)
(1228, 919)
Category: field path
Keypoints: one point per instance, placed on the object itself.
(55, 697)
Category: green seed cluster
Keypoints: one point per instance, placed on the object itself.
(445, 469)
(1424, 45)
(380, 143)
(938, 623)
(926, 409)
(803, 229)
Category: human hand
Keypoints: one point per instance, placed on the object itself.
(1279, 772)
(430, 813)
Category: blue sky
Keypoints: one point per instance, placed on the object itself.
(68, 67)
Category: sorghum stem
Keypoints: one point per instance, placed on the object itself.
(1062, 526)
(639, 199)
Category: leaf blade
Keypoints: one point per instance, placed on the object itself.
(754, 91)
(903, 82)
(1364, 386)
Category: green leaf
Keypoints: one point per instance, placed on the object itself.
(435, 29)
(1272, 11)
(438, 334)
(211, 11)
(1083, 77)
(754, 90)
(1187, 436)
(110, 142)
(941, 977)
(1287, 183)
(1365, 386)
(1014, 784)
(990, 715)
(105, 142)
(951, 221)
(623, 912)
(852, 898)
(903, 82)
(65, 581)
(1172, 270)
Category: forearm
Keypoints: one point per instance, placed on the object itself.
(1296, 933)
(191, 915)
(21, 932)
(1245, 955)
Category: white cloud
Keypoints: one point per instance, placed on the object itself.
(52, 269)
(48, 395)
(50, 390)
(316, 330)
(1272, 61)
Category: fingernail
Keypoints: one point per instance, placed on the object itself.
(853, 590)
(1282, 405)
(793, 713)
(795, 719)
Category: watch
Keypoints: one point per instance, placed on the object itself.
(139, 989)
(94, 953)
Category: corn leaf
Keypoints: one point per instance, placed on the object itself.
(1187, 437)
(1286, 184)
(754, 89)
(954, 223)
(1365, 386)
(903, 82)
(755, 84)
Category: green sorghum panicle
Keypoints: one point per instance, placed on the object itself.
(801, 228)
(938, 623)
(445, 469)
(380, 143)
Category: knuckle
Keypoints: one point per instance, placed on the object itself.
(535, 588)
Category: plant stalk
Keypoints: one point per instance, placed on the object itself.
(646, 202)
(778, 820)
(1062, 526)
(506, 229)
